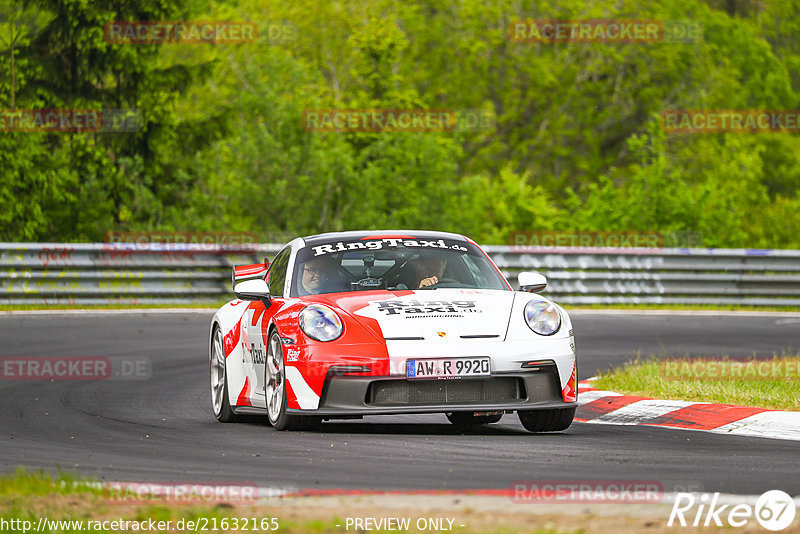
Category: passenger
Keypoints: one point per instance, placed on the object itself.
(429, 268)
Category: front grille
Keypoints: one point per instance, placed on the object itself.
(429, 392)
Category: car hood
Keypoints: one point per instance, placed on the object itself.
(452, 315)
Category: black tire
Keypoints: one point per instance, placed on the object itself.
(552, 420)
(223, 414)
(467, 420)
(282, 420)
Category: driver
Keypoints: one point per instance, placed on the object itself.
(429, 268)
(314, 272)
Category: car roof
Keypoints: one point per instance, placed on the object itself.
(380, 234)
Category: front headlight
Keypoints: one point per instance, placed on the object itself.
(542, 317)
(320, 322)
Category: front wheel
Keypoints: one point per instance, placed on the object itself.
(275, 391)
(551, 420)
(219, 381)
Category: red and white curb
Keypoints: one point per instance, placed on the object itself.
(609, 407)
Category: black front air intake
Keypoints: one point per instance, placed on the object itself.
(434, 392)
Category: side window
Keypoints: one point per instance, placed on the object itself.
(277, 272)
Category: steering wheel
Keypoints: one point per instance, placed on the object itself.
(443, 282)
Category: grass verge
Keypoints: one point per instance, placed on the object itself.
(762, 383)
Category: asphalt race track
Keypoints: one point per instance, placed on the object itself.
(162, 429)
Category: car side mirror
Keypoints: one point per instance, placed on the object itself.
(531, 282)
(253, 289)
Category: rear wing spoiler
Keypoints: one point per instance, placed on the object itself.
(247, 272)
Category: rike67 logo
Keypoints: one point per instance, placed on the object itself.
(774, 510)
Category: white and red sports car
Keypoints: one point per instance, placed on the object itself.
(343, 325)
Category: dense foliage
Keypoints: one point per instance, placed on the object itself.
(575, 141)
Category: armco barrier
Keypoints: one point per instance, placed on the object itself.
(92, 273)
(754, 277)
(81, 273)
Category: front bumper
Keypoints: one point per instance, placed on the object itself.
(371, 395)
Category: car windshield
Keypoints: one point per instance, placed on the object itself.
(392, 264)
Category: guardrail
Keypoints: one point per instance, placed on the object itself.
(92, 273)
(104, 273)
(751, 277)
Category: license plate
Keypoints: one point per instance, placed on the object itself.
(448, 367)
